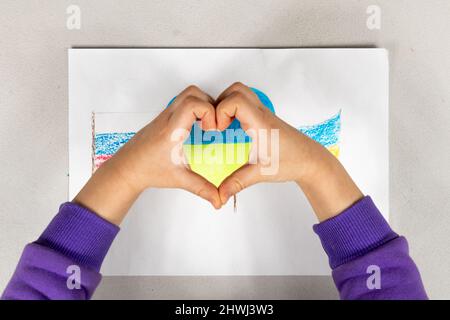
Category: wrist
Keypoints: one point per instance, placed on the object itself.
(328, 187)
(108, 193)
(313, 160)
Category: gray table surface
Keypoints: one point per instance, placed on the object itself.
(34, 101)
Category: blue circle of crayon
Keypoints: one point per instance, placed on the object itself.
(235, 124)
(261, 96)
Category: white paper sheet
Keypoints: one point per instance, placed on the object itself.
(171, 232)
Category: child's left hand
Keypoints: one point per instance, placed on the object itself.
(152, 159)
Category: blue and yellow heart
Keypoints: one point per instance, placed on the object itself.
(216, 155)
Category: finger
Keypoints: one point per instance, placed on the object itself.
(194, 91)
(240, 179)
(235, 87)
(192, 182)
(193, 109)
(237, 105)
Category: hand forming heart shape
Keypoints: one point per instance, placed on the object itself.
(215, 155)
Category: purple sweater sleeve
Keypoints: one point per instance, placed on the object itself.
(369, 260)
(65, 261)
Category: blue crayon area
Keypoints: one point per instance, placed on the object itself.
(326, 133)
(264, 100)
(233, 134)
(110, 143)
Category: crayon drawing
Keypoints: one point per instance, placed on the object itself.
(115, 92)
(106, 144)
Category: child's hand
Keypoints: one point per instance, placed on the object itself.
(152, 159)
(283, 157)
(291, 157)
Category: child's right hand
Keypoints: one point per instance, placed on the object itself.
(290, 156)
(325, 182)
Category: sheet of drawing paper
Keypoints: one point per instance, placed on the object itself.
(172, 232)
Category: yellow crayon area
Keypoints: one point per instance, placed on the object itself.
(334, 150)
(216, 161)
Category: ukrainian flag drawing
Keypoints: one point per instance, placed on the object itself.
(326, 133)
(215, 155)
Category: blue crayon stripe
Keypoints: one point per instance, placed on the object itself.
(110, 143)
(326, 133)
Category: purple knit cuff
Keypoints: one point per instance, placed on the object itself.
(354, 232)
(80, 235)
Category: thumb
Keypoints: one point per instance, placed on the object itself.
(240, 179)
(196, 184)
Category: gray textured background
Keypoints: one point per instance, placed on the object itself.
(34, 99)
